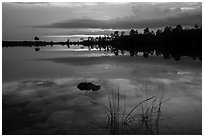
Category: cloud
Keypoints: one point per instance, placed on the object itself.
(130, 22)
(70, 4)
(31, 3)
(139, 15)
(143, 15)
(149, 11)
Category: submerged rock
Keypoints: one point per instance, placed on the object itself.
(88, 86)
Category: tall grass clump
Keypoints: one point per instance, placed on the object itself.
(143, 118)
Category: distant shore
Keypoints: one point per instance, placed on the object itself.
(168, 43)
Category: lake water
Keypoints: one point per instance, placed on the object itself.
(40, 94)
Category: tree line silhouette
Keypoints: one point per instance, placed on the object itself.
(170, 42)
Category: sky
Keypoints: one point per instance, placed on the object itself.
(24, 21)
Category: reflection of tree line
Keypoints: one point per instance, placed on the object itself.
(169, 43)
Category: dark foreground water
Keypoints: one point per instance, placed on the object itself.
(40, 94)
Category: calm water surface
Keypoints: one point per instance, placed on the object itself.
(40, 94)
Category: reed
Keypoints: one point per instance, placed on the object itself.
(143, 118)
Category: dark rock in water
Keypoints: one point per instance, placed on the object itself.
(84, 86)
(88, 86)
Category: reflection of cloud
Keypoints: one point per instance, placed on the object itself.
(38, 106)
(122, 84)
(8, 88)
(56, 106)
(34, 105)
(125, 86)
(75, 36)
(63, 81)
(183, 73)
(162, 80)
(180, 79)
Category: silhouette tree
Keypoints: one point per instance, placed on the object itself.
(122, 34)
(116, 34)
(196, 26)
(133, 32)
(36, 38)
(146, 30)
(179, 27)
(170, 42)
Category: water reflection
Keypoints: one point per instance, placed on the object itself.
(37, 49)
(42, 92)
(57, 106)
(41, 105)
(143, 118)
